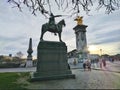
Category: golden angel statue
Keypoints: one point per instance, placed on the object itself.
(79, 20)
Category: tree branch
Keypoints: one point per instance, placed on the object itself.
(39, 5)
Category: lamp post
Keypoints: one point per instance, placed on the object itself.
(81, 40)
(100, 52)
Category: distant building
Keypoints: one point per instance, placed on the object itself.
(72, 54)
(93, 56)
(115, 57)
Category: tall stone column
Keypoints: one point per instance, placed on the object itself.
(29, 62)
(81, 42)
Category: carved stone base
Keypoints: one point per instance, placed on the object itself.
(29, 62)
(52, 62)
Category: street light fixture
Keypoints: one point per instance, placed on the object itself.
(100, 52)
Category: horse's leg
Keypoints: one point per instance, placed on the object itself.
(41, 38)
(59, 33)
(42, 33)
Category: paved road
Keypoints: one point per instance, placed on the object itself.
(112, 67)
(96, 79)
(32, 69)
(105, 78)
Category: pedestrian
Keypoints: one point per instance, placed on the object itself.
(89, 65)
(84, 65)
(100, 62)
(112, 59)
(75, 62)
(104, 62)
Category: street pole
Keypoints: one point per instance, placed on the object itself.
(100, 52)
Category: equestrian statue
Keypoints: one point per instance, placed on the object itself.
(51, 26)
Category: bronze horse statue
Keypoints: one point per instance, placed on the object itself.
(56, 29)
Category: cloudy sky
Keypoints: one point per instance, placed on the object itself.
(103, 31)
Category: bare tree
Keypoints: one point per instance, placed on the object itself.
(40, 5)
(19, 54)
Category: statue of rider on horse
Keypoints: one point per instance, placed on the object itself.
(51, 22)
(52, 26)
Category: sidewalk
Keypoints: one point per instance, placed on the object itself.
(94, 79)
(111, 67)
(30, 69)
(80, 66)
(97, 78)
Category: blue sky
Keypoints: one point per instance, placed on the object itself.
(16, 28)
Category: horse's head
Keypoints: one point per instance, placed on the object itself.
(62, 22)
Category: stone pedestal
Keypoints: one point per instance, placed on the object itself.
(52, 62)
(29, 62)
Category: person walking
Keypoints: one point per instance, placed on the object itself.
(104, 62)
(84, 65)
(89, 65)
(100, 62)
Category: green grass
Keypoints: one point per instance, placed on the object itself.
(13, 81)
